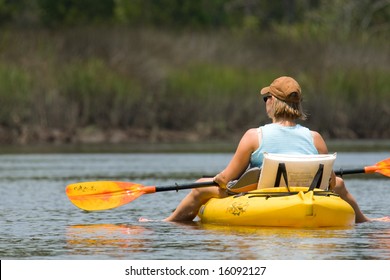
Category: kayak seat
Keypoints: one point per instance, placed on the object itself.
(247, 182)
(311, 171)
(282, 171)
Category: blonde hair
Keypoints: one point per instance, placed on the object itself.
(287, 110)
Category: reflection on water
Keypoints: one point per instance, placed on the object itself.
(202, 241)
(283, 243)
(116, 241)
(37, 220)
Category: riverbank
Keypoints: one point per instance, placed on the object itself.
(116, 84)
(218, 146)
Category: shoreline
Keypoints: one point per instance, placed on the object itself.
(217, 146)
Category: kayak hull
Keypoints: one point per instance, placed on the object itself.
(278, 207)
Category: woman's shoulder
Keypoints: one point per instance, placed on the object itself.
(251, 138)
(315, 134)
(319, 142)
(251, 133)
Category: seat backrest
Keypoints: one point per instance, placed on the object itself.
(301, 170)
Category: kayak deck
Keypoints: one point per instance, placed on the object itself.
(278, 207)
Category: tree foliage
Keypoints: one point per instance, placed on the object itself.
(348, 15)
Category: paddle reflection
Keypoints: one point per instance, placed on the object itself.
(104, 240)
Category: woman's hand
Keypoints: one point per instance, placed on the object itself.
(221, 180)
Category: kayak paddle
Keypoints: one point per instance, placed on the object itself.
(382, 167)
(103, 195)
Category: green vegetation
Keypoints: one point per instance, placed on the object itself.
(118, 71)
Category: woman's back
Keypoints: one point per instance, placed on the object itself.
(275, 138)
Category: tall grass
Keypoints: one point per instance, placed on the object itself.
(55, 84)
(216, 98)
(98, 94)
(15, 84)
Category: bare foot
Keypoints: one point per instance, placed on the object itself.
(145, 220)
(382, 219)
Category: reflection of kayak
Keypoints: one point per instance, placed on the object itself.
(277, 207)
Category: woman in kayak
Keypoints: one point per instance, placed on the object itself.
(283, 101)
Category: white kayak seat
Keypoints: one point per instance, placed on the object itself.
(282, 170)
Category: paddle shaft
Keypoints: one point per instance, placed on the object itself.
(178, 187)
(342, 172)
(102, 195)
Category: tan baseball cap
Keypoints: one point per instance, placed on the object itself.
(284, 88)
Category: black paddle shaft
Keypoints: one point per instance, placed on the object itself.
(178, 187)
(341, 172)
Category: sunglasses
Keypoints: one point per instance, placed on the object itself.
(265, 98)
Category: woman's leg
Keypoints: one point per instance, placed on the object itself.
(342, 191)
(189, 207)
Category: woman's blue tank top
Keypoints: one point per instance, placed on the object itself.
(280, 139)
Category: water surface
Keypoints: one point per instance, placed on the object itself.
(37, 221)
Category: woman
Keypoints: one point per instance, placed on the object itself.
(283, 101)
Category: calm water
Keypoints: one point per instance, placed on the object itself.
(39, 222)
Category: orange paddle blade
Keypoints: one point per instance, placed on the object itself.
(382, 167)
(102, 195)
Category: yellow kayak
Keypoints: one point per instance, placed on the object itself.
(279, 207)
